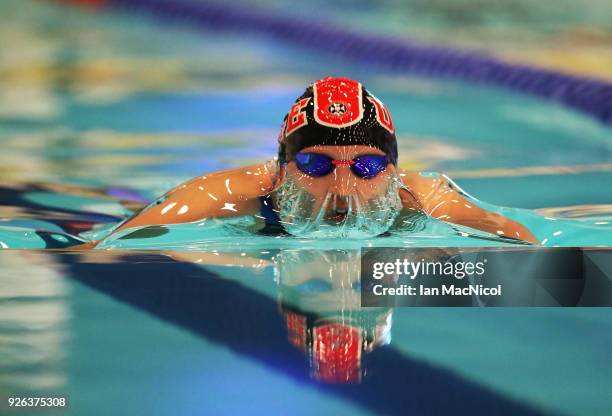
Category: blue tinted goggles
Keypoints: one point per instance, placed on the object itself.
(318, 165)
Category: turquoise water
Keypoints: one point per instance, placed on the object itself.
(583, 226)
(93, 127)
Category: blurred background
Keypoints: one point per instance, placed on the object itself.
(107, 103)
(100, 94)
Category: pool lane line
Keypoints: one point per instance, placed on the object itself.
(587, 95)
(530, 171)
(249, 323)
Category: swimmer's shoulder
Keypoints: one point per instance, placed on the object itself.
(431, 189)
(228, 192)
(221, 194)
(250, 181)
(424, 184)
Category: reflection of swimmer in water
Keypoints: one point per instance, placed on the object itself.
(336, 176)
(319, 297)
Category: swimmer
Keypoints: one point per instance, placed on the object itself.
(336, 176)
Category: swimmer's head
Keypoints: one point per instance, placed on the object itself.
(338, 151)
(337, 112)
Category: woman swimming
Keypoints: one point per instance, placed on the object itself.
(336, 176)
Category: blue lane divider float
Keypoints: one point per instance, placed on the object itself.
(590, 96)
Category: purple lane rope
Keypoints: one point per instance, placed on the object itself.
(590, 96)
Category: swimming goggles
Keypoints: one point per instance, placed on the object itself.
(318, 165)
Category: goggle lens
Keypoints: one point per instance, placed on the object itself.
(369, 166)
(318, 165)
(314, 164)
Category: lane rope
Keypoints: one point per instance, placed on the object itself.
(587, 95)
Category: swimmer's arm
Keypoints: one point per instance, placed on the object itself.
(221, 194)
(440, 198)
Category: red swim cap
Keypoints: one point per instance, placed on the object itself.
(340, 112)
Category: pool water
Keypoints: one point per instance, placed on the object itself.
(211, 319)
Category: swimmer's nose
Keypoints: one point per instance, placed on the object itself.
(341, 203)
(345, 183)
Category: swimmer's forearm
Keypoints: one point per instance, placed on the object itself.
(458, 210)
(440, 198)
(220, 194)
(498, 225)
(179, 211)
(515, 229)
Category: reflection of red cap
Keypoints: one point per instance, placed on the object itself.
(336, 344)
(336, 353)
(296, 327)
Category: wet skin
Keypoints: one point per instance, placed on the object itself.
(341, 182)
(236, 192)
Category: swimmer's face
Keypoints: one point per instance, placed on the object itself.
(342, 181)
